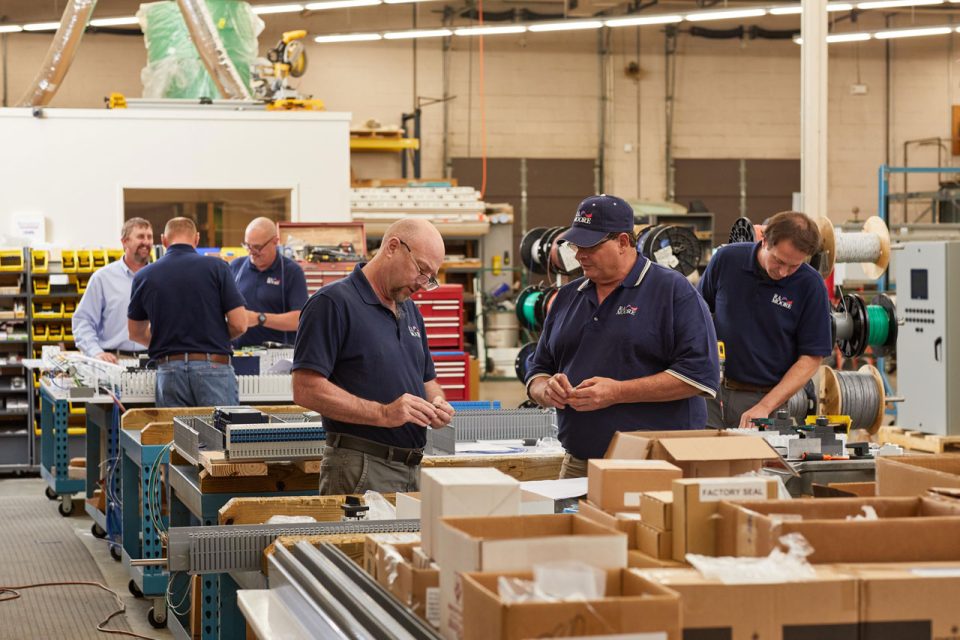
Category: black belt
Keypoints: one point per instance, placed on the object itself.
(218, 358)
(734, 385)
(128, 354)
(409, 457)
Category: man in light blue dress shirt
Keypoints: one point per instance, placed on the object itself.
(100, 321)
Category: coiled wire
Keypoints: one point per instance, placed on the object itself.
(859, 398)
(857, 247)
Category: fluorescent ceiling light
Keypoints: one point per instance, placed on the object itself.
(263, 9)
(421, 33)
(348, 37)
(566, 25)
(489, 31)
(786, 11)
(642, 20)
(912, 33)
(42, 26)
(839, 6)
(893, 4)
(848, 37)
(402, 1)
(10, 28)
(114, 22)
(340, 4)
(698, 16)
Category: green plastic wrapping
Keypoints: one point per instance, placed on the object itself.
(174, 68)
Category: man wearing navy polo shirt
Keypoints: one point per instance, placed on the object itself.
(272, 285)
(361, 360)
(771, 311)
(186, 308)
(628, 347)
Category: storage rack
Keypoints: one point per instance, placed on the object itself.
(17, 394)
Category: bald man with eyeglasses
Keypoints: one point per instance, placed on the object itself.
(361, 360)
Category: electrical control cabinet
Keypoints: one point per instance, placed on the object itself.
(928, 342)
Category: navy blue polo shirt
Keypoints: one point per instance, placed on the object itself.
(279, 288)
(654, 321)
(765, 324)
(185, 296)
(350, 338)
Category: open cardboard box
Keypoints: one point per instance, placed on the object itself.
(907, 529)
(702, 453)
(517, 543)
(632, 605)
(625, 522)
(418, 589)
(824, 608)
(913, 475)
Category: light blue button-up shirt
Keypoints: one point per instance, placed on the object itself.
(100, 321)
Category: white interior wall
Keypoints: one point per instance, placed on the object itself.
(734, 98)
(71, 165)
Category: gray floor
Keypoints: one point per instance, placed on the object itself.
(114, 575)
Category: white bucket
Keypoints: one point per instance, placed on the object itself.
(502, 329)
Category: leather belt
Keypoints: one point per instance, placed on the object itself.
(409, 457)
(743, 386)
(219, 358)
(128, 354)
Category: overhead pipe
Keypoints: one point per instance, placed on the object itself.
(60, 54)
(212, 52)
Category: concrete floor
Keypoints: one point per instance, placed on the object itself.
(114, 575)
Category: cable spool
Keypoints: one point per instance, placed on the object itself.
(672, 246)
(745, 231)
(520, 364)
(858, 394)
(870, 247)
(533, 304)
(857, 326)
(539, 252)
(543, 305)
(803, 403)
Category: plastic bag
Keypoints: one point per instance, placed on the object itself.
(380, 509)
(869, 513)
(290, 519)
(779, 566)
(562, 581)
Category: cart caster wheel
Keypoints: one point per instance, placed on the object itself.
(65, 509)
(50, 493)
(98, 531)
(135, 590)
(154, 622)
(115, 553)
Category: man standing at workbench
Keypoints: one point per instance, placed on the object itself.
(361, 360)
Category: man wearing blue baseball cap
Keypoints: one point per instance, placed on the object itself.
(630, 346)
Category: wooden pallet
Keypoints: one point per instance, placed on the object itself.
(218, 466)
(385, 134)
(919, 441)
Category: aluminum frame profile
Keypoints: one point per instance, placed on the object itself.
(229, 548)
(504, 424)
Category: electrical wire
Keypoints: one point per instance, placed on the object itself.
(14, 594)
(168, 596)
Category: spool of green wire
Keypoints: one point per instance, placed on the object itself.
(879, 324)
(527, 308)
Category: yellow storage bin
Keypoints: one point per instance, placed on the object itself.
(67, 332)
(55, 332)
(41, 260)
(36, 378)
(77, 410)
(39, 333)
(82, 282)
(113, 255)
(98, 258)
(11, 259)
(232, 253)
(47, 310)
(84, 261)
(69, 307)
(41, 286)
(69, 258)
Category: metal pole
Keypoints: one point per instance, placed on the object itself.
(670, 77)
(523, 196)
(3, 42)
(447, 165)
(743, 187)
(813, 108)
(603, 51)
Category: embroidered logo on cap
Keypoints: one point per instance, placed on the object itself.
(414, 330)
(583, 217)
(783, 301)
(627, 310)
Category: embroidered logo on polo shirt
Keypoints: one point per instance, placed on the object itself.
(783, 301)
(627, 310)
(583, 217)
(414, 330)
(272, 280)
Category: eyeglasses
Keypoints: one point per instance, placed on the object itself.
(257, 248)
(575, 247)
(429, 283)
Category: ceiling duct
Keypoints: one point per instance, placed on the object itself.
(211, 49)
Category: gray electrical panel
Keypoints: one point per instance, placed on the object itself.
(928, 342)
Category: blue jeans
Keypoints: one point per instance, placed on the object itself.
(196, 384)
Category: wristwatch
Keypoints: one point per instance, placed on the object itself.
(261, 319)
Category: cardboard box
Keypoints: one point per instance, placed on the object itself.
(463, 491)
(825, 608)
(641, 560)
(633, 605)
(408, 506)
(625, 522)
(418, 589)
(695, 503)
(654, 542)
(656, 509)
(703, 453)
(373, 541)
(420, 559)
(913, 475)
(509, 544)
(845, 490)
(908, 529)
(908, 602)
(616, 485)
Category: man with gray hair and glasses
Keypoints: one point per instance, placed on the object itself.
(361, 360)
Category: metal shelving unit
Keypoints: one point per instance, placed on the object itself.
(15, 424)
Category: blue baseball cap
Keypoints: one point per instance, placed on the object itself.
(598, 216)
